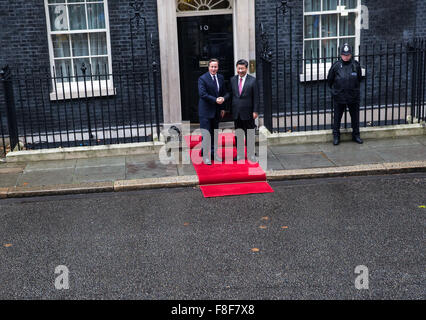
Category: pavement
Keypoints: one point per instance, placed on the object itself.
(285, 162)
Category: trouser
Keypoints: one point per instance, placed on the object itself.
(209, 128)
(247, 127)
(339, 109)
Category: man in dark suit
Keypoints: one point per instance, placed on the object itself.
(212, 93)
(245, 108)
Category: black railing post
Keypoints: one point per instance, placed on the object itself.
(414, 81)
(155, 79)
(6, 78)
(267, 79)
(89, 125)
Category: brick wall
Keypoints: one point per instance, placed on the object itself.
(24, 45)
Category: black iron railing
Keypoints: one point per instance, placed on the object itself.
(297, 96)
(85, 105)
(59, 109)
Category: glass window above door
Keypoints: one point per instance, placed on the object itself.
(203, 6)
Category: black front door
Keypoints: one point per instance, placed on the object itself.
(200, 39)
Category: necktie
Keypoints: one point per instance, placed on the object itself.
(217, 84)
(240, 86)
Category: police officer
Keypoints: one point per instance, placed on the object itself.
(344, 79)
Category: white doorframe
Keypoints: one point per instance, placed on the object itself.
(244, 27)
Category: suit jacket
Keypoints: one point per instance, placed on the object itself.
(248, 102)
(208, 93)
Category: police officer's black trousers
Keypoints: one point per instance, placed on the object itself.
(339, 110)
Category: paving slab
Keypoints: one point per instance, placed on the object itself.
(186, 170)
(353, 157)
(402, 153)
(12, 169)
(99, 174)
(273, 162)
(304, 160)
(150, 169)
(46, 177)
(294, 148)
(343, 147)
(4, 164)
(395, 142)
(143, 158)
(49, 165)
(100, 162)
(9, 179)
(421, 139)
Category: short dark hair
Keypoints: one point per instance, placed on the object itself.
(242, 62)
(213, 60)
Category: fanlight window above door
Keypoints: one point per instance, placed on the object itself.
(203, 5)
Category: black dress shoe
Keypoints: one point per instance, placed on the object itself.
(357, 139)
(336, 140)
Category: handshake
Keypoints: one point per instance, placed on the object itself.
(220, 100)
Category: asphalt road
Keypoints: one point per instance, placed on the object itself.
(302, 242)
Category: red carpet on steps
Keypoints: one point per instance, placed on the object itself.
(229, 177)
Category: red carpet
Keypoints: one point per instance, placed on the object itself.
(229, 177)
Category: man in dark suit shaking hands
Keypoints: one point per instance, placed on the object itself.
(245, 109)
(212, 93)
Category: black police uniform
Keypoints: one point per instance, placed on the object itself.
(344, 79)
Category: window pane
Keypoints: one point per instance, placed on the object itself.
(329, 5)
(347, 25)
(96, 16)
(98, 44)
(80, 45)
(98, 67)
(61, 46)
(63, 68)
(311, 26)
(56, 1)
(330, 49)
(78, 63)
(311, 49)
(58, 18)
(349, 4)
(220, 4)
(312, 5)
(329, 25)
(77, 15)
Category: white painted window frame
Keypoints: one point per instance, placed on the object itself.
(312, 75)
(77, 90)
